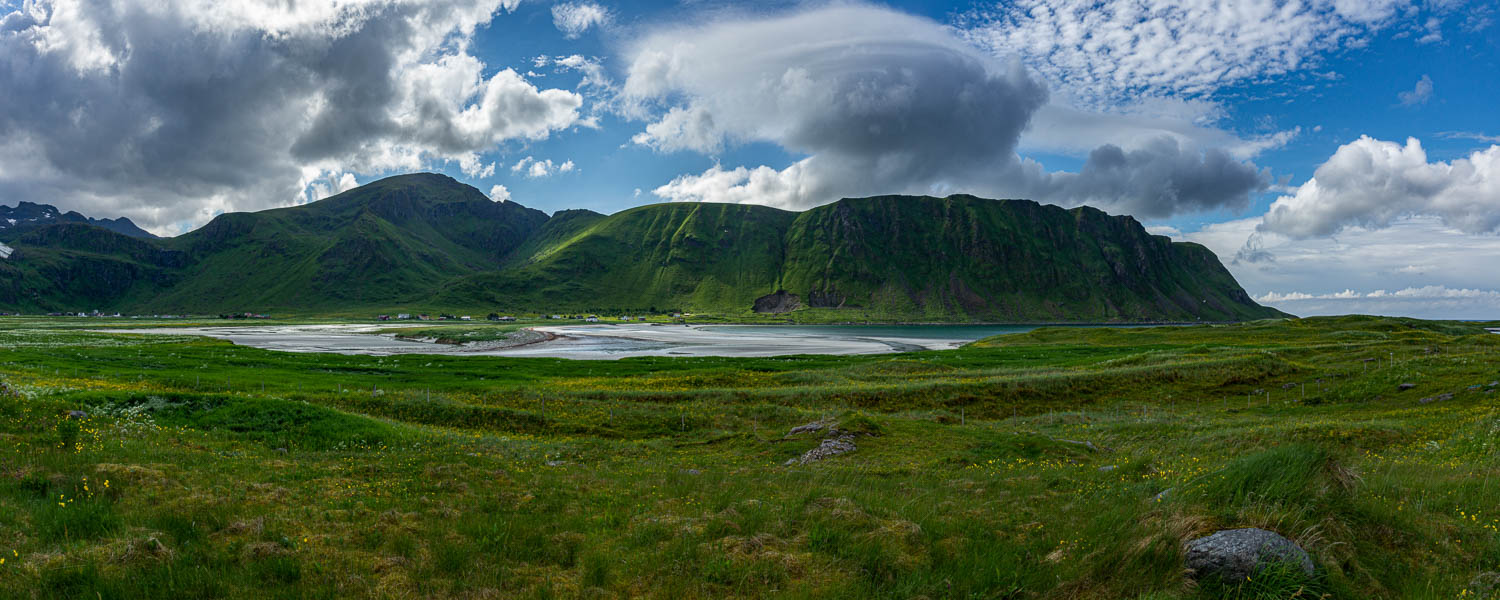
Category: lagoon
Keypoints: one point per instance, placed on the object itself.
(614, 341)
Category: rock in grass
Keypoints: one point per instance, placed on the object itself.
(833, 446)
(1485, 586)
(813, 427)
(1438, 398)
(1235, 554)
(77, 414)
(1406, 386)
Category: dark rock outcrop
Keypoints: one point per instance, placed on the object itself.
(779, 302)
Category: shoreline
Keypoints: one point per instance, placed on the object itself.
(954, 324)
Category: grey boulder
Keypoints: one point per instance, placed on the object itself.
(1236, 554)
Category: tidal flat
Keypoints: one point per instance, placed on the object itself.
(593, 341)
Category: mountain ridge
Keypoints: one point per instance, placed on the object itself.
(26, 216)
(425, 241)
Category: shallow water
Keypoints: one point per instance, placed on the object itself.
(610, 341)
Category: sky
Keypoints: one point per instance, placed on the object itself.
(1340, 156)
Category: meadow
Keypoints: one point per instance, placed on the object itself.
(1060, 463)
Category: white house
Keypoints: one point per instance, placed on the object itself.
(591, 319)
(466, 318)
(404, 316)
(5, 251)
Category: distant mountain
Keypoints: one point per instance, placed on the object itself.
(390, 242)
(427, 242)
(26, 216)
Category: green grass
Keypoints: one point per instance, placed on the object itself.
(1061, 463)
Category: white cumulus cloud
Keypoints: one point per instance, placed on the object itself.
(535, 169)
(499, 193)
(575, 18)
(1370, 183)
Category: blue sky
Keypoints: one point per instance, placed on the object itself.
(1362, 100)
(1339, 155)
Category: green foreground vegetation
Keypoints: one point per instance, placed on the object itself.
(1062, 463)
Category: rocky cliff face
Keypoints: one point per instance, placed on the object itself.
(777, 303)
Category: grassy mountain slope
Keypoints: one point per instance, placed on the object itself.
(886, 258)
(427, 242)
(704, 256)
(75, 266)
(391, 241)
(967, 257)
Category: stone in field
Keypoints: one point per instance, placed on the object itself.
(1485, 586)
(1235, 554)
(830, 447)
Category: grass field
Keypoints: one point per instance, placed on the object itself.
(1062, 463)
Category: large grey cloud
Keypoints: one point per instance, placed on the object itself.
(883, 102)
(1161, 178)
(169, 111)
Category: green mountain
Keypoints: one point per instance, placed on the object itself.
(392, 241)
(80, 267)
(427, 242)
